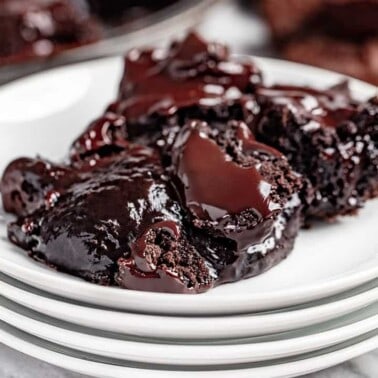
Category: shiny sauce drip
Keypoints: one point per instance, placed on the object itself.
(249, 145)
(215, 185)
(192, 72)
(327, 108)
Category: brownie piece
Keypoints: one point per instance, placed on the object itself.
(328, 138)
(340, 35)
(105, 136)
(120, 224)
(350, 19)
(163, 259)
(126, 220)
(39, 28)
(241, 196)
(357, 59)
(192, 79)
(28, 184)
(286, 17)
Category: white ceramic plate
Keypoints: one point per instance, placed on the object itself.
(110, 368)
(326, 260)
(193, 328)
(235, 351)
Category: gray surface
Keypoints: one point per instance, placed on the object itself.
(226, 23)
(16, 365)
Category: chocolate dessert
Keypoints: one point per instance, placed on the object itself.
(33, 29)
(123, 215)
(192, 79)
(241, 196)
(329, 138)
(39, 28)
(180, 185)
(155, 118)
(334, 34)
(354, 59)
(125, 220)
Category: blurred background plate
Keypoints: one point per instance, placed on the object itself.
(165, 23)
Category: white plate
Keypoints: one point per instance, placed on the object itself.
(194, 328)
(235, 351)
(326, 260)
(103, 367)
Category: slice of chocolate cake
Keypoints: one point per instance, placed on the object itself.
(327, 137)
(241, 196)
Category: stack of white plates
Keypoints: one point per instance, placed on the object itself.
(315, 309)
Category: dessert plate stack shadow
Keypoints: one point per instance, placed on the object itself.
(316, 308)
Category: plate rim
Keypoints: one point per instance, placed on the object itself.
(178, 328)
(317, 361)
(66, 286)
(361, 322)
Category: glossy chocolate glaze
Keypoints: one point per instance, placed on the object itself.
(117, 219)
(28, 184)
(215, 207)
(106, 217)
(104, 136)
(192, 79)
(228, 183)
(214, 184)
(329, 138)
(324, 108)
(191, 72)
(162, 89)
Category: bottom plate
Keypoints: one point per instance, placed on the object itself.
(210, 352)
(96, 366)
(185, 328)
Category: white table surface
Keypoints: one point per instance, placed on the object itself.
(16, 365)
(225, 22)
